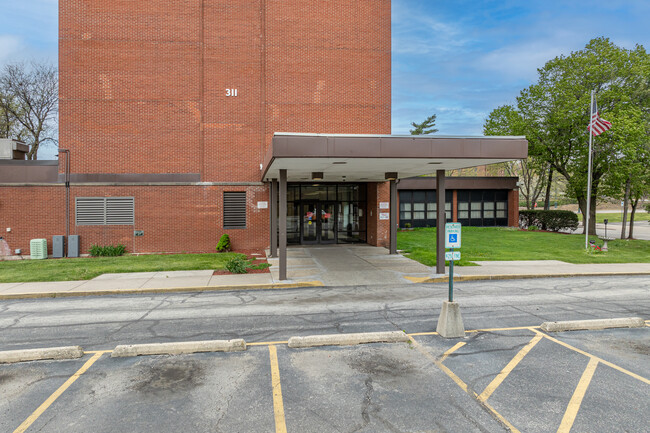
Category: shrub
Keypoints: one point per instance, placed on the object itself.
(553, 220)
(647, 208)
(237, 265)
(533, 228)
(259, 266)
(224, 244)
(107, 250)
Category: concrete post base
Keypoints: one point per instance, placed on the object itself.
(450, 322)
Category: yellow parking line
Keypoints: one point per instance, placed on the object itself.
(513, 328)
(417, 334)
(487, 392)
(602, 361)
(47, 403)
(278, 406)
(576, 400)
(452, 350)
(460, 382)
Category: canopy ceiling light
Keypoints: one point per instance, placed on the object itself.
(317, 175)
(390, 175)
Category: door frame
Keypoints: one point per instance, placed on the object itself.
(318, 205)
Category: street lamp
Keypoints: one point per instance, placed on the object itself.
(67, 194)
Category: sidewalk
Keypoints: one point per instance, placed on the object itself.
(641, 229)
(315, 266)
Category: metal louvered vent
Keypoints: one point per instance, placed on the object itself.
(234, 210)
(103, 211)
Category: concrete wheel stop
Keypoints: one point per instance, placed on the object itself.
(56, 353)
(450, 322)
(594, 324)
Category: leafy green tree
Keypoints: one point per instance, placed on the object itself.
(629, 179)
(556, 110)
(426, 127)
(506, 120)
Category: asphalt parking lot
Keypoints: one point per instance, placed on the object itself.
(517, 379)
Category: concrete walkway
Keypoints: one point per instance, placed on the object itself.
(307, 266)
(348, 265)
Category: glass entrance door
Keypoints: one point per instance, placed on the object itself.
(318, 223)
(327, 229)
(309, 232)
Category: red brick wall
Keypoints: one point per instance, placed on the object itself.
(130, 85)
(143, 84)
(174, 218)
(378, 230)
(143, 90)
(31, 213)
(513, 208)
(383, 226)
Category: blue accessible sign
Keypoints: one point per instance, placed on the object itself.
(452, 235)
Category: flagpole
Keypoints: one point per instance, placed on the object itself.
(591, 137)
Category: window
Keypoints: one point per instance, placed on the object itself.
(463, 208)
(405, 210)
(104, 211)
(488, 209)
(234, 210)
(501, 209)
(418, 211)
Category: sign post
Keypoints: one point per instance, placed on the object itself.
(452, 240)
(450, 322)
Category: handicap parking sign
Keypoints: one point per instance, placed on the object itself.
(452, 238)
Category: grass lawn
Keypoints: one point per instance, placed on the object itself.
(618, 217)
(90, 267)
(501, 243)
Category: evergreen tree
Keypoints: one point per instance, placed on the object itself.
(426, 127)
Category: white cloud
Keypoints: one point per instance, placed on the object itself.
(9, 46)
(416, 31)
(520, 61)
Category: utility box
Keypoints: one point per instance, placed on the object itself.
(12, 149)
(38, 249)
(73, 246)
(58, 247)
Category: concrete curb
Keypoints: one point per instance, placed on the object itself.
(161, 290)
(23, 355)
(236, 345)
(348, 339)
(520, 276)
(575, 325)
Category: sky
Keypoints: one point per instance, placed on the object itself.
(458, 59)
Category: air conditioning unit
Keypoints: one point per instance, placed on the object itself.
(38, 249)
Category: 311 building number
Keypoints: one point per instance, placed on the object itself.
(231, 92)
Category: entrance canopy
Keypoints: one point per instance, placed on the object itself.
(366, 158)
(375, 158)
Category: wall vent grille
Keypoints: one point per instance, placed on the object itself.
(105, 211)
(234, 210)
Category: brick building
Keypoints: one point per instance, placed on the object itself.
(168, 113)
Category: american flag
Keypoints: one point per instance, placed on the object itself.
(598, 125)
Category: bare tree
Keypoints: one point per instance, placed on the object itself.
(29, 101)
(531, 176)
